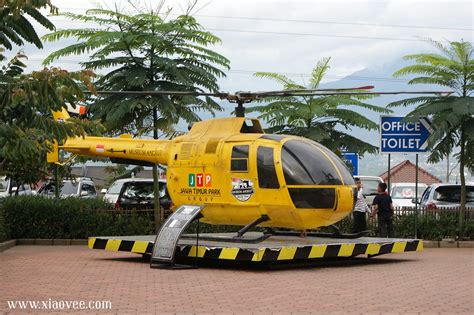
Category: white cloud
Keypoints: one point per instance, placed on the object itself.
(298, 54)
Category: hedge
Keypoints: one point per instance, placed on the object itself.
(429, 227)
(47, 218)
(3, 229)
(38, 217)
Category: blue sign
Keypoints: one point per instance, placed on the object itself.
(353, 160)
(403, 137)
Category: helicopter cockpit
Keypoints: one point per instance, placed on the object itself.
(311, 171)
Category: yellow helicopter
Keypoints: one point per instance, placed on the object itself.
(237, 172)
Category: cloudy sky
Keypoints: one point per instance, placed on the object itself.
(366, 39)
(290, 36)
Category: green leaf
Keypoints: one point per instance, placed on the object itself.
(318, 117)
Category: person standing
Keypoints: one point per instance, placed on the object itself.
(383, 208)
(360, 209)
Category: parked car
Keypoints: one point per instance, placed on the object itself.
(81, 187)
(446, 196)
(23, 189)
(136, 193)
(370, 184)
(403, 193)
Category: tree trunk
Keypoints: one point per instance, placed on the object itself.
(56, 181)
(447, 168)
(462, 209)
(10, 187)
(156, 190)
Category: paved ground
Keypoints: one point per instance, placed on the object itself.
(433, 281)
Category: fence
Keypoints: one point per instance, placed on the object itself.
(430, 224)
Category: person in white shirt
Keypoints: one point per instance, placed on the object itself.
(360, 209)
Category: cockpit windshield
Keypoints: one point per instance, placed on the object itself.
(305, 164)
(343, 170)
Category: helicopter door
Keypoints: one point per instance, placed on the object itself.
(267, 176)
(241, 179)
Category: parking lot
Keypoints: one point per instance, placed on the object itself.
(433, 281)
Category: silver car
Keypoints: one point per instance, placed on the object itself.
(111, 195)
(5, 188)
(81, 187)
(403, 193)
(446, 196)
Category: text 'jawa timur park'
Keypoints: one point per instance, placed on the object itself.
(227, 171)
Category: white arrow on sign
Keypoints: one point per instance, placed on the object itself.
(427, 124)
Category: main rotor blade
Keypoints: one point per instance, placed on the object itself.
(152, 93)
(374, 93)
(265, 93)
(249, 96)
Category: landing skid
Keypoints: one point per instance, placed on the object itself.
(227, 239)
(239, 238)
(335, 234)
(242, 238)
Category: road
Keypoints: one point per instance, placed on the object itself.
(437, 281)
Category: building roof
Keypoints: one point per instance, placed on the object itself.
(404, 172)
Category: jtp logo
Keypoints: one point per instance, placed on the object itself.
(199, 180)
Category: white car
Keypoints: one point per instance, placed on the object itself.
(445, 196)
(112, 193)
(82, 187)
(5, 188)
(403, 193)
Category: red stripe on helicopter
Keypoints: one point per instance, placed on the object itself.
(100, 148)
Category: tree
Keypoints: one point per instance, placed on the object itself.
(325, 119)
(15, 27)
(27, 130)
(452, 115)
(26, 100)
(146, 51)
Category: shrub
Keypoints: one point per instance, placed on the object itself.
(39, 217)
(430, 226)
(3, 228)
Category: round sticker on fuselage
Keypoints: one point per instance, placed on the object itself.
(242, 189)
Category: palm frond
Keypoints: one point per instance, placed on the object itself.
(286, 82)
(319, 71)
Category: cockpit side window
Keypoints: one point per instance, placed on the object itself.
(305, 164)
(267, 177)
(345, 173)
(240, 158)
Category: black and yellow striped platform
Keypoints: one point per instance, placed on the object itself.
(274, 249)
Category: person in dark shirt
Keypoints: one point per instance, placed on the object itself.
(383, 207)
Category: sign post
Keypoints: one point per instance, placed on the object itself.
(352, 159)
(388, 170)
(416, 196)
(399, 136)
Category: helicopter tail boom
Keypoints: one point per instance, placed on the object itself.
(141, 151)
(123, 148)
